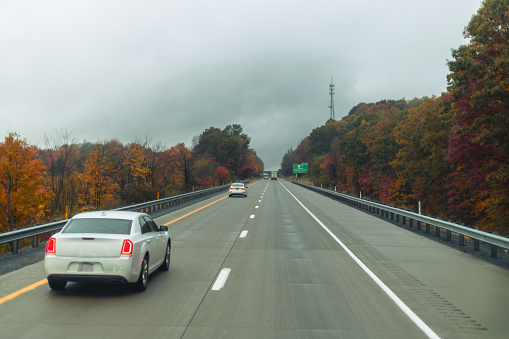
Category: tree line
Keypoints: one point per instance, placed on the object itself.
(66, 177)
(451, 153)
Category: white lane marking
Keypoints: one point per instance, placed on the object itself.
(243, 234)
(425, 328)
(259, 201)
(221, 279)
(256, 206)
(251, 216)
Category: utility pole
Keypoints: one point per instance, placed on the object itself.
(331, 107)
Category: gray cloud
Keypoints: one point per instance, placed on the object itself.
(120, 69)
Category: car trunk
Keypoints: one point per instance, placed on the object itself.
(89, 245)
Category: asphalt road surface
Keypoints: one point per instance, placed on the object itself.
(282, 263)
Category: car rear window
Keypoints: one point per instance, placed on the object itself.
(237, 185)
(105, 226)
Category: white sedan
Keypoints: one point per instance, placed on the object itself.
(107, 246)
(237, 188)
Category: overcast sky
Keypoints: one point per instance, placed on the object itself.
(170, 69)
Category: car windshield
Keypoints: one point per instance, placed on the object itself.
(106, 226)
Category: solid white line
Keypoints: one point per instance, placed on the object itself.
(243, 234)
(221, 279)
(425, 328)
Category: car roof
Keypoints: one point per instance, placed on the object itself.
(128, 215)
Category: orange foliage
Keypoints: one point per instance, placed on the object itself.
(98, 185)
(23, 195)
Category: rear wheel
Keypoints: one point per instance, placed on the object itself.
(57, 285)
(166, 263)
(141, 284)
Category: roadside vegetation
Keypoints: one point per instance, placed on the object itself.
(66, 177)
(451, 153)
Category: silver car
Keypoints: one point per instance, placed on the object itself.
(238, 189)
(107, 246)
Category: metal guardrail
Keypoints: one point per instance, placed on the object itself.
(147, 207)
(495, 241)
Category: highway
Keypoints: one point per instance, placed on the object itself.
(284, 262)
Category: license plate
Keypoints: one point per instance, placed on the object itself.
(85, 267)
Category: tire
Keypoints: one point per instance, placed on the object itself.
(57, 285)
(141, 284)
(166, 263)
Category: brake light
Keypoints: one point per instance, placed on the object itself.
(51, 245)
(127, 247)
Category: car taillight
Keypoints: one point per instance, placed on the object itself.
(51, 245)
(127, 247)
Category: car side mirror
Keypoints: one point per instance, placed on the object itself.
(163, 228)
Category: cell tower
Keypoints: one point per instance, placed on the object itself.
(331, 107)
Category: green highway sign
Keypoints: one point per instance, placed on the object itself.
(302, 168)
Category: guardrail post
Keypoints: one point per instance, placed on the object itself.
(404, 220)
(397, 217)
(428, 228)
(476, 242)
(448, 235)
(462, 240)
(35, 241)
(437, 231)
(493, 251)
(476, 245)
(14, 247)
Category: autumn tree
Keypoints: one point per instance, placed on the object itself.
(479, 139)
(249, 164)
(23, 195)
(98, 184)
(61, 160)
(205, 170)
(133, 171)
(420, 160)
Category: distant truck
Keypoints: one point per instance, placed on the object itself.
(273, 175)
(265, 176)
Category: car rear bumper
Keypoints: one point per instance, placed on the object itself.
(104, 269)
(235, 193)
(111, 279)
